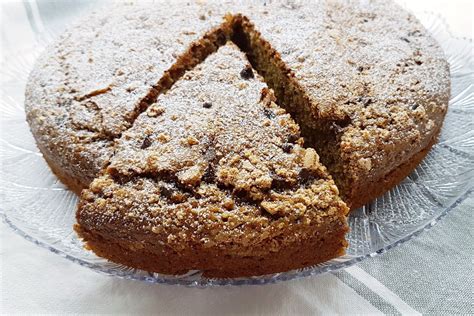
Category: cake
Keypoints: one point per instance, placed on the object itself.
(214, 177)
(362, 82)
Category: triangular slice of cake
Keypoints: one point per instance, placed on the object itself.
(213, 177)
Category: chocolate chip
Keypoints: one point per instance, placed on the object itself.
(207, 105)
(293, 138)
(350, 101)
(305, 176)
(247, 73)
(280, 183)
(209, 175)
(172, 193)
(221, 39)
(287, 147)
(418, 62)
(146, 142)
(415, 33)
(268, 113)
(167, 191)
(405, 39)
(363, 68)
(414, 106)
(241, 194)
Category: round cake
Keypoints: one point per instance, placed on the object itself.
(225, 137)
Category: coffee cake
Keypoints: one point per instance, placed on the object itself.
(197, 163)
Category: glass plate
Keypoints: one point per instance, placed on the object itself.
(38, 207)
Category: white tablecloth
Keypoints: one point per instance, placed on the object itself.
(432, 274)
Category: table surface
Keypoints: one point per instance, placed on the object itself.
(432, 274)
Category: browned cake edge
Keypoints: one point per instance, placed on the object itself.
(368, 191)
(322, 246)
(71, 182)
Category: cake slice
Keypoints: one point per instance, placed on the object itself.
(213, 177)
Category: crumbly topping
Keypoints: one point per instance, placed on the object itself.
(235, 183)
(234, 141)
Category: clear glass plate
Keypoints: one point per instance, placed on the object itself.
(38, 207)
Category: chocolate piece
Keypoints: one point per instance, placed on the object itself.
(247, 72)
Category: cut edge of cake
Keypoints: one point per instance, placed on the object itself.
(321, 130)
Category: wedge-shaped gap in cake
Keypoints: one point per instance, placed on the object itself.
(81, 97)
